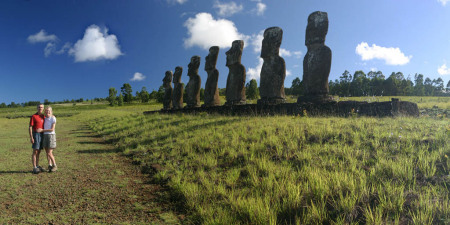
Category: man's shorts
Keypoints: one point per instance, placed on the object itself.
(37, 141)
(49, 141)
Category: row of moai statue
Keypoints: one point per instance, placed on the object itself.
(316, 69)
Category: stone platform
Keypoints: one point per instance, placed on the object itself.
(342, 108)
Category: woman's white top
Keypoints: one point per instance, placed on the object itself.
(48, 122)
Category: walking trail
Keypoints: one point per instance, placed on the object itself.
(94, 183)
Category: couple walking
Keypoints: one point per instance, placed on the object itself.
(42, 136)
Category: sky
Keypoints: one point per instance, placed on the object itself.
(71, 49)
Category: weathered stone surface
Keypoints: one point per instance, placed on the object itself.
(235, 90)
(343, 109)
(273, 71)
(167, 83)
(193, 86)
(211, 89)
(317, 61)
(178, 89)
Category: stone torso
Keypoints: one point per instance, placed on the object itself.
(273, 73)
(211, 89)
(235, 92)
(193, 91)
(316, 68)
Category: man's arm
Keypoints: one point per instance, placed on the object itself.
(31, 134)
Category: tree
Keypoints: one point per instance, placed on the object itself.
(428, 86)
(144, 95)
(3, 105)
(127, 93)
(297, 87)
(112, 96)
(438, 86)
(419, 89)
(120, 100)
(344, 81)
(160, 94)
(251, 89)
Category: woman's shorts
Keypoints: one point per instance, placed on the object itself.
(49, 141)
(37, 141)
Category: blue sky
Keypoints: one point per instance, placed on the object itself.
(70, 49)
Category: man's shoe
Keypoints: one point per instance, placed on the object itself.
(40, 169)
(50, 168)
(36, 170)
(54, 168)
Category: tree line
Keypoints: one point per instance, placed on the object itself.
(375, 83)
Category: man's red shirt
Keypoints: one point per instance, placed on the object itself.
(37, 121)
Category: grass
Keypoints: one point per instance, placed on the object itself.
(286, 169)
(93, 184)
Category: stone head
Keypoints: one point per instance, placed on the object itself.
(211, 58)
(317, 28)
(235, 53)
(177, 74)
(271, 42)
(193, 65)
(168, 77)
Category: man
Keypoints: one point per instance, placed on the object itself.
(36, 138)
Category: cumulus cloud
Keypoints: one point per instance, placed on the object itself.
(228, 9)
(138, 77)
(96, 44)
(443, 2)
(392, 56)
(255, 72)
(176, 1)
(204, 31)
(42, 36)
(444, 70)
(260, 8)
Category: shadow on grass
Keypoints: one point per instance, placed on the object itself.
(98, 151)
(14, 172)
(92, 142)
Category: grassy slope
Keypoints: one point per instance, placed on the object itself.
(94, 184)
(260, 170)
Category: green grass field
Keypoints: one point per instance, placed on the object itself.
(284, 169)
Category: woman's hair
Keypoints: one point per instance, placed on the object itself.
(49, 108)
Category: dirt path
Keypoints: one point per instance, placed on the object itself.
(94, 183)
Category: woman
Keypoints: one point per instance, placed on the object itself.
(50, 138)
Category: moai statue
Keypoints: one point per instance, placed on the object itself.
(193, 86)
(273, 70)
(235, 92)
(167, 83)
(211, 89)
(317, 61)
(178, 89)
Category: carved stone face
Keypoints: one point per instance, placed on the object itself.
(193, 65)
(271, 42)
(168, 78)
(177, 74)
(211, 58)
(317, 28)
(235, 52)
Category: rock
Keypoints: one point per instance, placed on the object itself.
(273, 71)
(317, 61)
(235, 90)
(167, 83)
(211, 89)
(193, 86)
(178, 89)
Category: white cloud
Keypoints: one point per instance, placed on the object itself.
(96, 44)
(256, 41)
(444, 70)
(228, 9)
(392, 56)
(288, 73)
(49, 49)
(443, 2)
(176, 1)
(204, 31)
(138, 77)
(42, 36)
(255, 72)
(260, 8)
(298, 54)
(373, 69)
